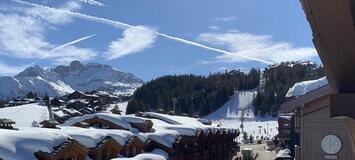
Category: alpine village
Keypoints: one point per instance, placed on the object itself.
(289, 110)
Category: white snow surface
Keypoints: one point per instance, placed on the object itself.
(229, 116)
(114, 118)
(183, 125)
(302, 88)
(24, 115)
(156, 154)
(21, 144)
(121, 105)
(164, 133)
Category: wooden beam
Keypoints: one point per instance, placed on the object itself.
(342, 105)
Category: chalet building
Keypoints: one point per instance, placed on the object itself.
(49, 124)
(6, 123)
(116, 110)
(18, 102)
(133, 147)
(107, 149)
(71, 112)
(145, 126)
(284, 130)
(98, 122)
(316, 125)
(81, 124)
(81, 95)
(78, 104)
(289, 132)
(327, 125)
(151, 144)
(111, 137)
(69, 149)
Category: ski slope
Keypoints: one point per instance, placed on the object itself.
(24, 115)
(229, 116)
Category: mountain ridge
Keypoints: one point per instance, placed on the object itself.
(62, 80)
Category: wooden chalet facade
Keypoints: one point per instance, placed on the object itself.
(216, 145)
(133, 147)
(107, 149)
(284, 130)
(69, 149)
(102, 123)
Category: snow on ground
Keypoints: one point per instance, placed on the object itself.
(156, 154)
(24, 115)
(121, 105)
(301, 88)
(229, 116)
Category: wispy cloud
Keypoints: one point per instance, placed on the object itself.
(226, 19)
(6, 70)
(257, 46)
(92, 2)
(23, 35)
(125, 26)
(135, 39)
(214, 28)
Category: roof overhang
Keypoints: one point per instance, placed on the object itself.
(332, 23)
(296, 103)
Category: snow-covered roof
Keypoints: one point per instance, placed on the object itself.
(21, 144)
(164, 133)
(284, 154)
(156, 154)
(90, 137)
(301, 88)
(177, 120)
(59, 113)
(117, 119)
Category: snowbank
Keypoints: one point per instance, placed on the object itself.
(156, 154)
(24, 115)
(301, 88)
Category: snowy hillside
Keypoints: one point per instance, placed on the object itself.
(66, 79)
(24, 115)
(229, 116)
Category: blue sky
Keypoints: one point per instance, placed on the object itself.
(151, 38)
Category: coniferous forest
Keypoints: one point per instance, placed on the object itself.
(278, 79)
(201, 95)
(190, 94)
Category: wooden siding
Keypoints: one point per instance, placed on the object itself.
(315, 126)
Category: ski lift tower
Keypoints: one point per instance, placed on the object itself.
(241, 118)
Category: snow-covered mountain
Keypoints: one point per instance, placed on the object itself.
(62, 80)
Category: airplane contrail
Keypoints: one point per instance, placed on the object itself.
(92, 2)
(73, 42)
(125, 26)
